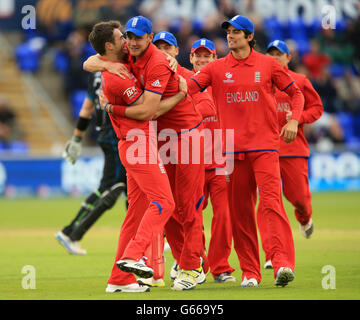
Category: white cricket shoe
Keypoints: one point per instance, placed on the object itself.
(247, 283)
(174, 271)
(71, 246)
(284, 276)
(138, 268)
(225, 277)
(132, 287)
(268, 265)
(307, 230)
(188, 279)
(151, 282)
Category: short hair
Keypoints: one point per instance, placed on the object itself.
(252, 43)
(101, 33)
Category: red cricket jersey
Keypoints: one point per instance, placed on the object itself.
(244, 96)
(203, 101)
(211, 123)
(205, 106)
(154, 74)
(313, 109)
(122, 92)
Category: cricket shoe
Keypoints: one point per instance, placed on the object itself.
(188, 279)
(139, 268)
(71, 246)
(307, 230)
(248, 283)
(284, 276)
(132, 287)
(151, 282)
(174, 271)
(225, 277)
(268, 265)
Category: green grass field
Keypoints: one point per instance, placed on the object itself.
(27, 228)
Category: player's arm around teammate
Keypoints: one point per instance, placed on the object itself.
(149, 193)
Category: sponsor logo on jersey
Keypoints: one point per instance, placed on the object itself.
(156, 84)
(130, 92)
(228, 76)
(257, 76)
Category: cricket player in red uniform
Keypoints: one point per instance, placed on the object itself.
(221, 237)
(158, 81)
(203, 52)
(294, 156)
(146, 180)
(167, 43)
(243, 86)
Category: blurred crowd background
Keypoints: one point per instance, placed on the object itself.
(42, 84)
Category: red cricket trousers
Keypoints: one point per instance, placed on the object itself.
(150, 206)
(185, 169)
(221, 232)
(259, 170)
(295, 183)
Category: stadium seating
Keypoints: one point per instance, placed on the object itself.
(27, 58)
(61, 61)
(273, 29)
(77, 99)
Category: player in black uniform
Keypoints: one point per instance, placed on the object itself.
(113, 181)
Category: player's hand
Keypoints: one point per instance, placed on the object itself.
(183, 84)
(102, 100)
(289, 131)
(172, 62)
(288, 115)
(72, 149)
(117, 68)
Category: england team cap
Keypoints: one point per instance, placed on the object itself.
(239, 22)
(280, 45)
(166, 36)
(203, 43)
(139, 25)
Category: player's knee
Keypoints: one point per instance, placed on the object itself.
(165, 205)
(109, 198)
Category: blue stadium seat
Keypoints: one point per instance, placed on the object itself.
(88, 51)
(27, 58)
(357, 124)
(314, 28)
(346, 121)
(60, 61)
(77, 98)
(19, 147)
(273, 29)
(337, 70)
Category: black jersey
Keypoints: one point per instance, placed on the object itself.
(103, 126)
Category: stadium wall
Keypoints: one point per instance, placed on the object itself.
(49, 177)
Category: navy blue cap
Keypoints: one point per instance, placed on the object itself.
(139, 25)
(239, 22)
(203, 43)
(167, 37)
(280, 45)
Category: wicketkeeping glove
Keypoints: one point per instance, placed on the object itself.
(72, 149)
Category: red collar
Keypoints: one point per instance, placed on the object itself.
(250, 60)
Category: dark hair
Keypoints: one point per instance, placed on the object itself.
(252, 43)
(101, 33)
